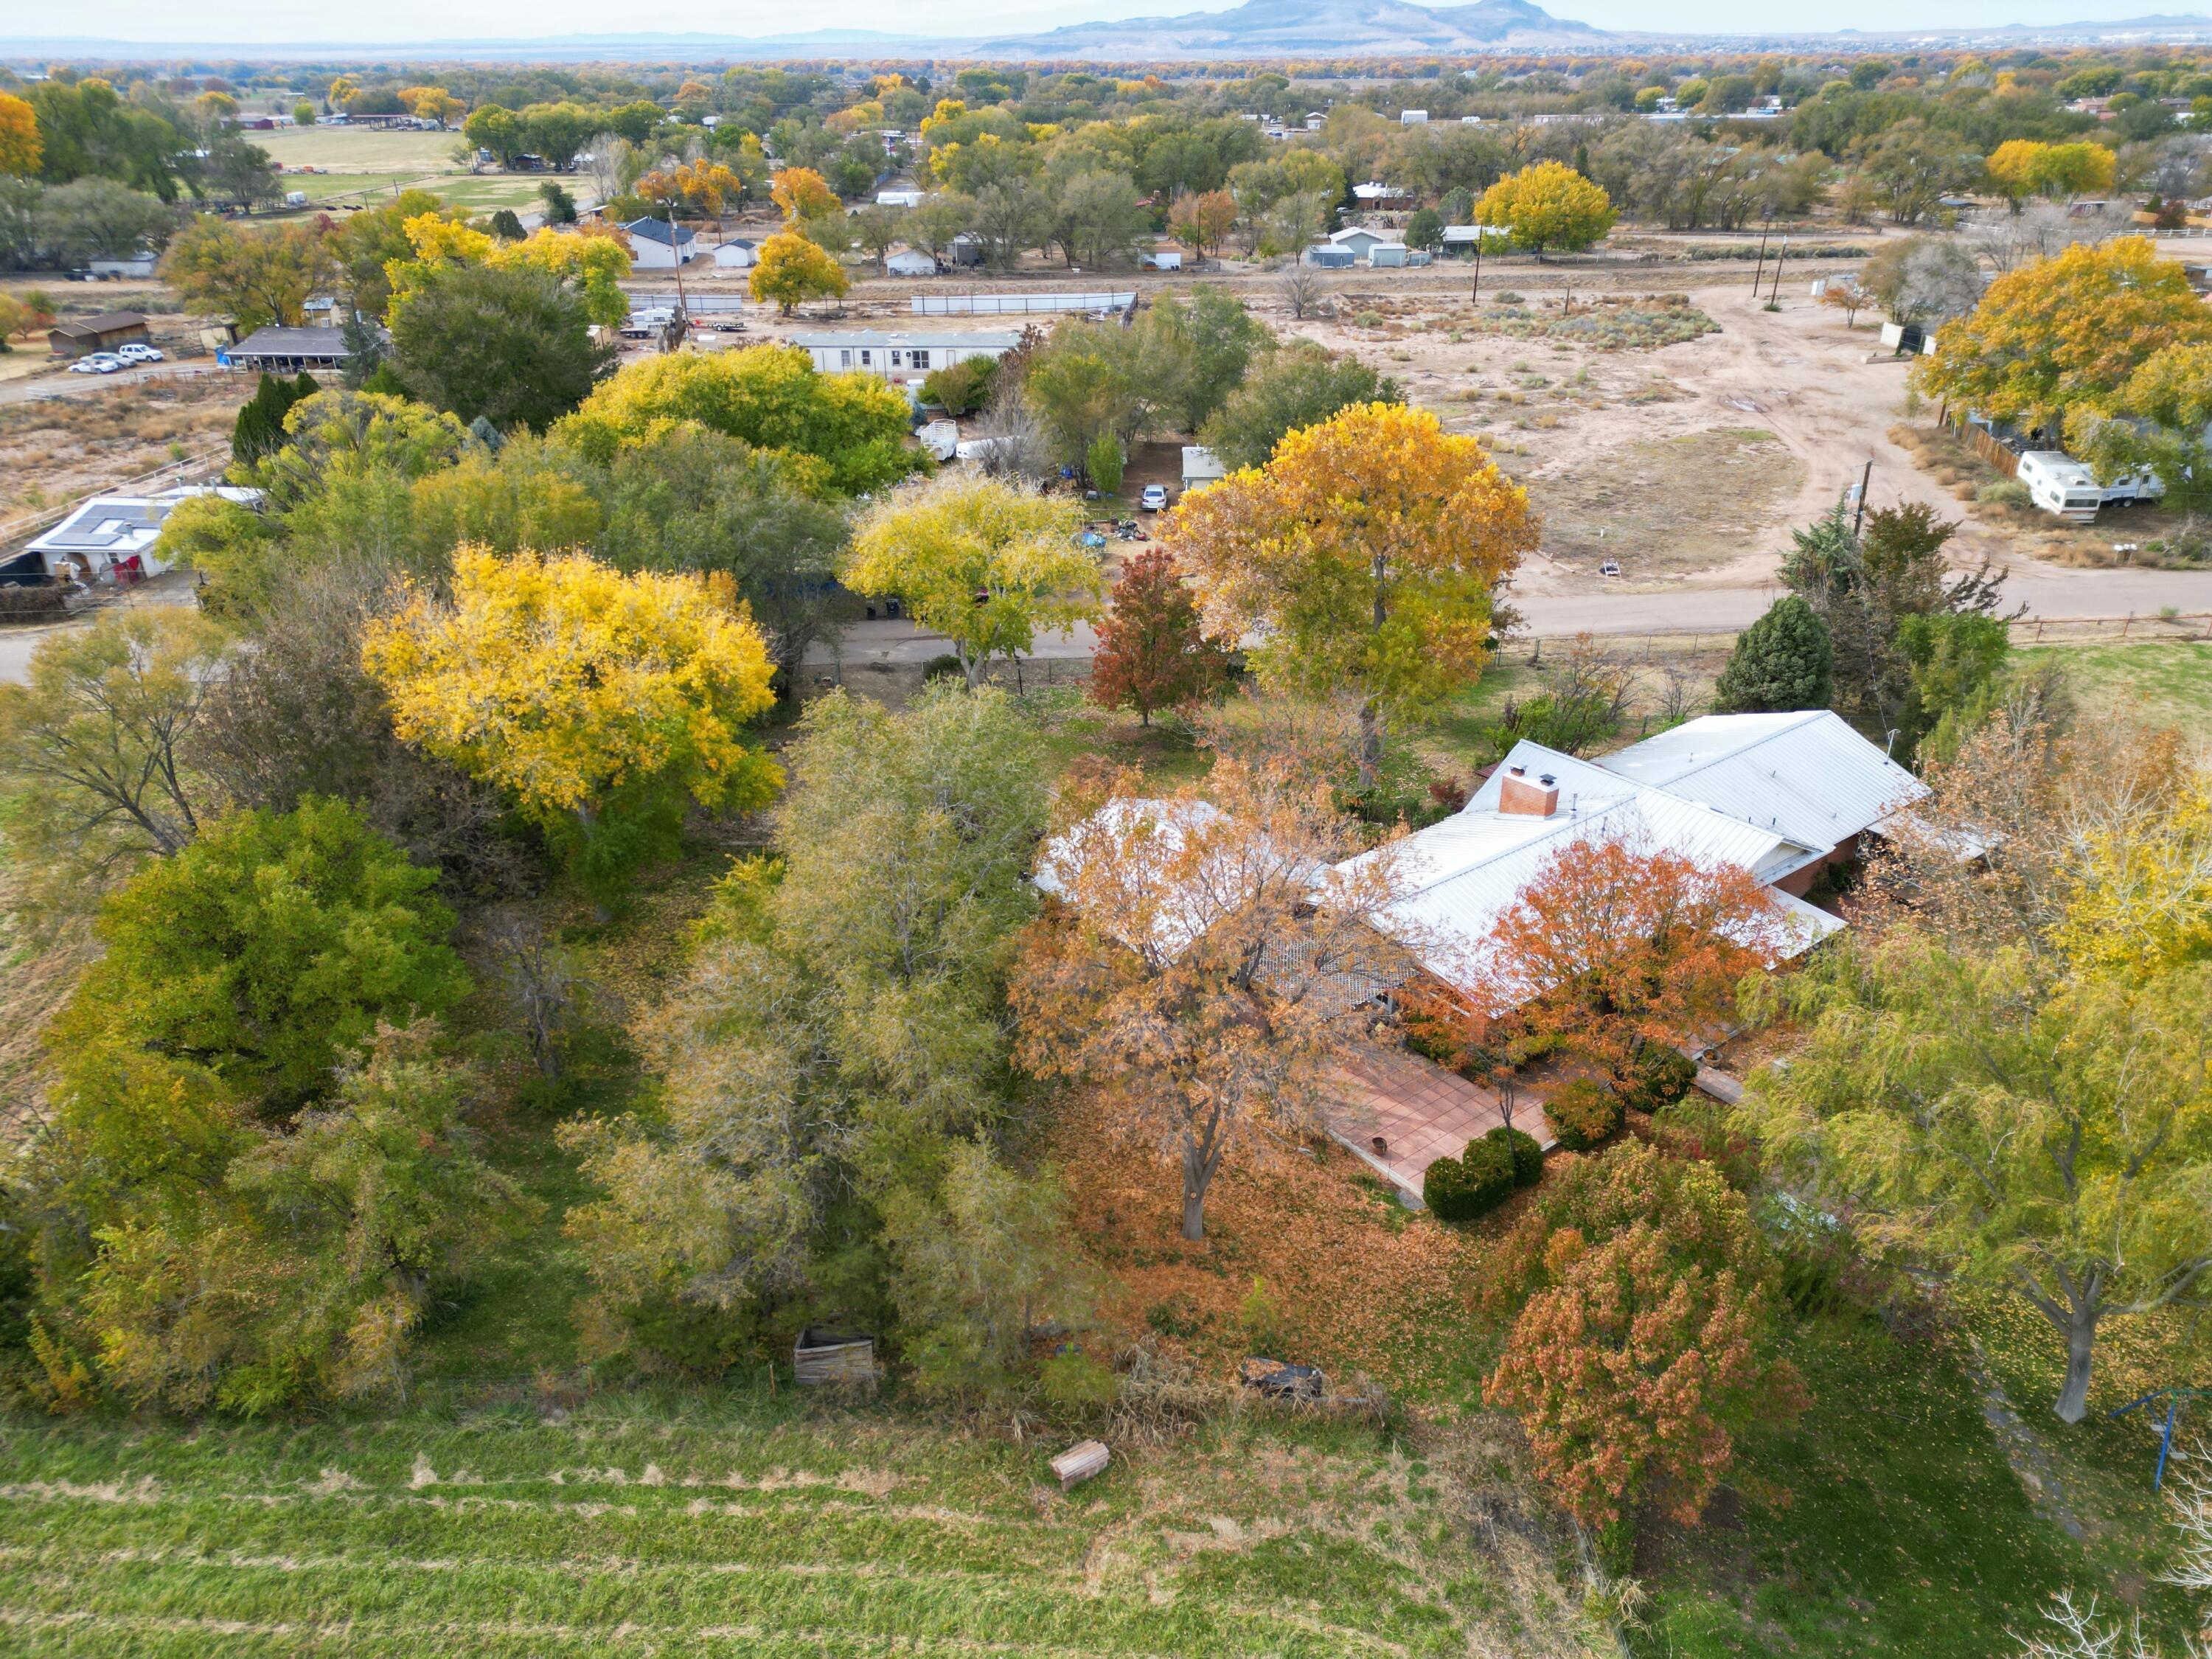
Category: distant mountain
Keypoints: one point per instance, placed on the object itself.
(1335, 27)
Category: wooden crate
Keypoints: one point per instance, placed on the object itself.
(824, 1358)
(1080, 1462)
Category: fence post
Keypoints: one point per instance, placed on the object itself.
(2039, 629)
(2126, 625)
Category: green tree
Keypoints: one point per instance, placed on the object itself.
(2048, 1137)
(983, 562)
(259, 430)
(1083, 384)
(841, 1035)
(95, 748)
(511, 347)
(1426, 229)
(256, 278)
(264, 949)
(844, 433)
(1301, 385)
(1193, 353)
(1783, 662)
(307, 1267)
(101, 219)
(234, 551)
(1102, 462)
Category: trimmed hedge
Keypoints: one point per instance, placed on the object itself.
(1464, 1187)
(1583, 1113)
(1659, 1076)
(1521, 1146)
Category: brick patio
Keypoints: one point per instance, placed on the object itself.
(1422, 1112)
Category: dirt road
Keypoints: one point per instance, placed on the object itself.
(1799, 374)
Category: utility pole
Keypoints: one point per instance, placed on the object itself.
(1859, 517)
(1781, 258)
(1478, 264)
(1759, 271)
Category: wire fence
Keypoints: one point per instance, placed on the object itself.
(1650, 643)
(188, 469)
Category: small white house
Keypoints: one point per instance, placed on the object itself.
(1161, 258)
(898, 198)
(735, 254)
(1413, 118)
(1462, 240)
(1201, 467)
(653, 248)
(140, 264)
(875, 351)
(909, 262)
(1395, 256)
(109, 540)
(1375, 193)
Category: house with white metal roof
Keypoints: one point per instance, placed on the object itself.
(1781, 796)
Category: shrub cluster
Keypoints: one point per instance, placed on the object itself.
(1583, 1113)
(1484, 1176)
(1657, 1076)
(1656, 320)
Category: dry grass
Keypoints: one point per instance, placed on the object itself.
(1669, 505)
(58, 449)
(1613, 322)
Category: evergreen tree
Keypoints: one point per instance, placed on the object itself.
(259, 430)
(364, 344)
(1784, 660)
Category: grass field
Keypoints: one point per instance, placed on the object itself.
(2159, 683)
(745, 1525)
(362, 166)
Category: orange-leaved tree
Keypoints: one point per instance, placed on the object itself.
(1152, 652)
(1365, 555)
(1613, 944)
(1645, 1345)
(802, 193)
(1204, 962)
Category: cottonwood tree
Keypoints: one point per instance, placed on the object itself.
(983, 562)
(839, 1038)
(1366, 553)
(792, 269)
(1548, 204)
(1302, 384)
(97, 747)
(1199, 970)
(1153, 654)
(601, 702)
(511, 347)
(2049, 1136)
(256, 278)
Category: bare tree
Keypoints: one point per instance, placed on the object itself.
(548, 992)
(1300, 290)
(1017, 445)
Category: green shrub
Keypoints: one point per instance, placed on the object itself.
(1464, 1187)
(1077, 1385)
(2004, 492)
(942, 667)
(1583, 1113)
(961, 388)
(1659, 1076)
(1521, 1146)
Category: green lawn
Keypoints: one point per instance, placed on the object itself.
(2165, 683)
(1887, 1521)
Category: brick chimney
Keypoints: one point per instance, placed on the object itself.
(1526, 797)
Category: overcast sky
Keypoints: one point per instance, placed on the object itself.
(398, 21)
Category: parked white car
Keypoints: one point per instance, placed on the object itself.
(98, 362)
(139, 352)
(1155, 498)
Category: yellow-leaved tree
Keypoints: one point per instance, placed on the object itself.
(802, 193)
(1548, 204)
(595, 262)
(1365, 555)
(792, 269)
(602, 701)
(982, 562)
(2105, 344)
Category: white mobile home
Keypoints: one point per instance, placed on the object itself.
(874, 351)
(2058, 484)
(1201, 467)
(898, 198)
(909, 262)
(1161, 258)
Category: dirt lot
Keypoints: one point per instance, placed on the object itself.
(56, 449)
